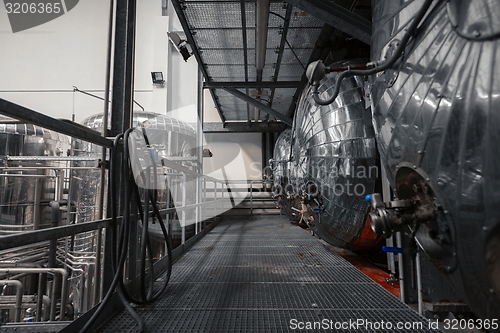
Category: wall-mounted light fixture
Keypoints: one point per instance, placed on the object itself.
(207, 153)
(157, 78)
(180, 45)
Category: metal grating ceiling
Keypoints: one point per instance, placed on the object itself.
(223, 36)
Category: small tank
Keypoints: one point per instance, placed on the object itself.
(175, 141)
(31, 174)
(283, 191)
(334, 162)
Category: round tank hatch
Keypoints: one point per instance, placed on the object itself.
(477, 20)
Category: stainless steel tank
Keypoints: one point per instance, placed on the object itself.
(335, 161)
(283, 191)
(175, 141)
(33, 173)
(30, 174)
(437, 120)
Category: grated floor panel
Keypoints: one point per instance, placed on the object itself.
(266, 275)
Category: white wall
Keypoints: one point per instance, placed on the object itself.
(40, 66)
(241, 152)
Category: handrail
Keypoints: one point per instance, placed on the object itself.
(35, 236)
(74, 130)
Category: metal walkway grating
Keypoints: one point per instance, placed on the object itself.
(266, 275)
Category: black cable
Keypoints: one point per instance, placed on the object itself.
(146, 250)
(379, 67)
(120, 242)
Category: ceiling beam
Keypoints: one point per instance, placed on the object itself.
(253, 84)
(259, 105)
(338, 17)
(179, 9)
(284, 34)
(243, 127)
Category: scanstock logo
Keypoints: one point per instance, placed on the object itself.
(26, 14)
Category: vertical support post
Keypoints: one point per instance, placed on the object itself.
(419, 284)
(386, 195)
(399, 243)
(183, 204)
(222, 199)
(197, 209)
(203, 210)
(169, 198)
(199, 137)
(215, 199)
(107, 84)
(36, 205)
(122, 96)
(251, 197)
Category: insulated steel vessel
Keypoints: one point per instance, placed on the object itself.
(334, 162)
(437, 120)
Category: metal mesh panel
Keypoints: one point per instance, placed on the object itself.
(291, 72)
(301, 19)
(213, 15)
(250, 276)
(282, 98)
(223, 38)
(290, 58)
(224, 57)
(301, 36)
(229, 73)
(217, 27)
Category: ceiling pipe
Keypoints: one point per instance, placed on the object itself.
(261, 31)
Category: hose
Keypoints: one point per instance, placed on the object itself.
(120, 242)
(377, 67)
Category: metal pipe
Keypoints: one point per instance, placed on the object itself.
(28, 301)
(375, 67)
(399, 243)
(41, 283)
(31, 237)
(19, 296)
(53, 271)
(47, 158)
(107, 86)
(419, 283)
(261, 22)
(53, 242)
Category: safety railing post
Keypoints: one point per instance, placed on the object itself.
(251, 198)
(215, 198)
(183, 214)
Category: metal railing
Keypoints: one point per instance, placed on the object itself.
(207, 204)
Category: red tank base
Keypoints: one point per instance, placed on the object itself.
(375, 273)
